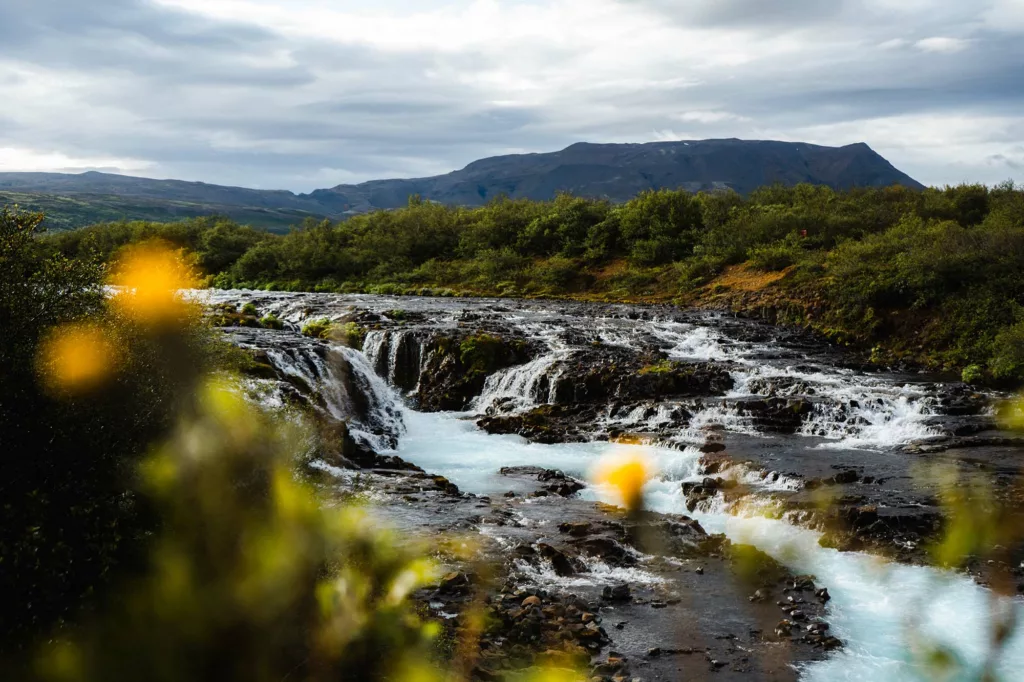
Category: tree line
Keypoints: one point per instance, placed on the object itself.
(867, 265)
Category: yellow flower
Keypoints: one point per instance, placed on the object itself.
(150, 277)
(626, 473)
(76, 358)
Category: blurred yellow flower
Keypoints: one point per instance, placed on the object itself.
(626, 472)
(1011, 414)
(551, 674)
(150, 277)
(76, 358)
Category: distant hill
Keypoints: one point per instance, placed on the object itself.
(614, 171)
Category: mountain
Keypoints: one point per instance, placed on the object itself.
(614, 171)
(620, 171)
(75, 200)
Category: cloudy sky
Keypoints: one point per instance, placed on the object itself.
(300, 94)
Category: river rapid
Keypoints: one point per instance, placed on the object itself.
(881, 427)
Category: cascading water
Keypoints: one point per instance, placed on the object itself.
(386, 414)
(872, 600)
(523, 386)
(319, 374)
(375, 347)
(333, 379)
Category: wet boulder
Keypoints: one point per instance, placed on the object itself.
(457, 365)
(668, 378)
(552, 482)
(960, 400)
(618, 593)
(563, 565)
(778, 415)
(781, 386)
(607, 550)
(545, 424)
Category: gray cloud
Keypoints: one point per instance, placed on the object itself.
(745, 13)
(240, 103)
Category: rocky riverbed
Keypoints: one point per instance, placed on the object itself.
(741, 420)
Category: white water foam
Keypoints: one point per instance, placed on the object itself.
(520, 387)
(871, 601)
(597, 574)
(316, 373)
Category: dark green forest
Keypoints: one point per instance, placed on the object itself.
(932, 277)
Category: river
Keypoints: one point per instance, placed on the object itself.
(868, 421)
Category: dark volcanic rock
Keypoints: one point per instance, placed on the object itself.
(546, 424)
(458, 365)
(676, 379)
(552, 482)
(779, 415)
(606, 373)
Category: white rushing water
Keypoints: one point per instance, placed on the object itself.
(878, 608)
(851, 410)
(873, 601)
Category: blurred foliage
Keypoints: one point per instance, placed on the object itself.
(250, 576)
(933, 276)
(207, 558)
(72, 519)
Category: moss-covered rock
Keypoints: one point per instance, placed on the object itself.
(457, 367)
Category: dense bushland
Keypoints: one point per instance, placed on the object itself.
(932, 276)
(154, 526)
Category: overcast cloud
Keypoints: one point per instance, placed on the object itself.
(301, 94)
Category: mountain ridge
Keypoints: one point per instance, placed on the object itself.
(616, 172)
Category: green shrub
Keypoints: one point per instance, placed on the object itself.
(352, 335)
(317, 329)
(327, 285)
(271, 321)
(776, 256)
(1007, 361)
(496, 265)
(972, 374)
(385, 290)
(556, 273)
(634, 282)
(250, 309)
(699, 270)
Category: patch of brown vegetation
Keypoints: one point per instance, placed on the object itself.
(615, 267)
(745, 278)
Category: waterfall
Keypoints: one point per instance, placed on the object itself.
(396, 355)
(523, 386)
(385, 413)
(319, 378)
(872, 600)
(338, 382)
(375, 348)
